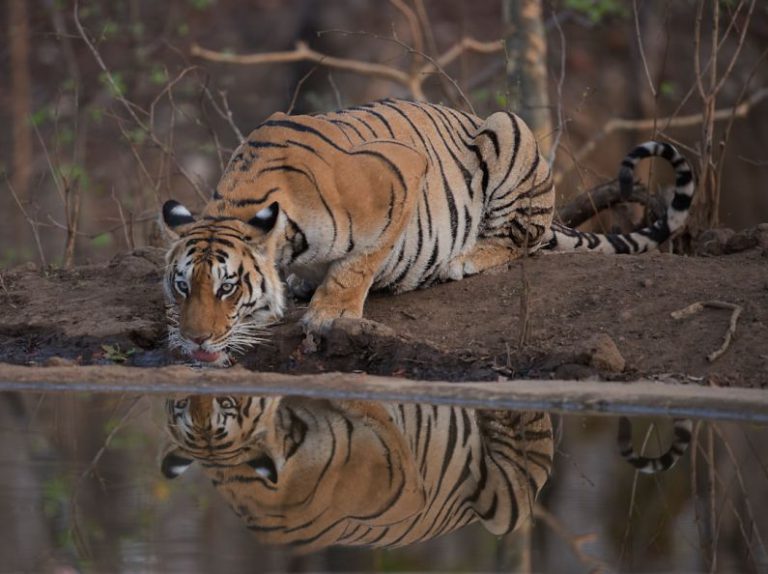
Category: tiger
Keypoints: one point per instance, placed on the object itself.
(393, 195)
(312, 473)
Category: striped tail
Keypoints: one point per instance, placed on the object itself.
(563, 238)
(652, 465)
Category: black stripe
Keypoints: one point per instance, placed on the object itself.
(311, 178)
(250, 201)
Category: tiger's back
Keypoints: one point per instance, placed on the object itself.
(473, 170)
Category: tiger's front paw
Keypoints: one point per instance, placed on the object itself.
(319, 320)
(345, 333)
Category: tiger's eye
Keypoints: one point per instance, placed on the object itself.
(226, 403)
(182, 286)
(226, 289)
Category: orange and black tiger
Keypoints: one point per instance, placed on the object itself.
(391, 195)
(313, 473)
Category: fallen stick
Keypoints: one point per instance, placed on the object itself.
(694, 308)
(637, 398)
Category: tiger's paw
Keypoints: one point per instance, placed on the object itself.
(457, 269)
(335, 328)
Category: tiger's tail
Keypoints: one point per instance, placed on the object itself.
(651, 465)
(563, 238)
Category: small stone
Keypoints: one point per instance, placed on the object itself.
(761, 232)
(30, 266)
(741, 241)
(575, 372)
(647, 282)
(59, 362)
(712, 241)
(604, 354)
(625, 315)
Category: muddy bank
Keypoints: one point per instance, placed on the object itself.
(468, 330)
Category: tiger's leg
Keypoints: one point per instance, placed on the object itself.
(518, 196)
(343, 292)
(378, 183)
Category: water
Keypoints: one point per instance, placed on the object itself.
(81, 490)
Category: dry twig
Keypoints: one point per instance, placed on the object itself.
(34, 225)
(413, 80)
(699, 306)
(591, 202)
(6, 292)
(618, 124)
(575, 542)
(133, 110)
(75, 531)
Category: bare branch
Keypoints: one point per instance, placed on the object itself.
(417, 37)
(413, 81)
(699, 306)
(131, 108)
(296, 91)
(618, 124)
(589, 203)
(32, 223)
(575, 542)
(303, 53)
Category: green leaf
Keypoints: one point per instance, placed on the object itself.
(102, 240)
(115, 354)
(201, 4)
(117, 86)
(37, 118)
(158, 76)
(667, 88)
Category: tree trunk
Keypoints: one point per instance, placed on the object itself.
(18, 33)
(527, 67)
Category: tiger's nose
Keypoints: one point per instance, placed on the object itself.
(200, 340)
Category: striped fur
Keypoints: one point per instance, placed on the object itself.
(650, 465)
(392, 195)
(562, 238)
(314, 473)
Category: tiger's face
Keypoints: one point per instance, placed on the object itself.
(218, 430)
(220, 283)
(296, 470)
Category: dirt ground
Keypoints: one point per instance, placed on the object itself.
(468, 330)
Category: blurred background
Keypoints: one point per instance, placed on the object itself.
(110, 108)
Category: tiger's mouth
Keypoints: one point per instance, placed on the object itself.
(212, 358)
(208, 356)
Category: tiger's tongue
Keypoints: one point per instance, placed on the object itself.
(205, 356)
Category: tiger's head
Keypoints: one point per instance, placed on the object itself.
(296, 470)
(221, 284)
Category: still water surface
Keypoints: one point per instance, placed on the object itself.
(120, 483)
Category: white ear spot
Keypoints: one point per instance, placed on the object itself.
(263, 215)
(180, 211)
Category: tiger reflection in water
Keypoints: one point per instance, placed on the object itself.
(314, 473)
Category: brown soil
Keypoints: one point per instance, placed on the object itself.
(468, 330)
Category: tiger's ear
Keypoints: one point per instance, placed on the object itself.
(174, 463)
(175, 215)
(266, 218)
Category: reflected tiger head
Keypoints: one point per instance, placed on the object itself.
(220, 282)
(281, 463)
